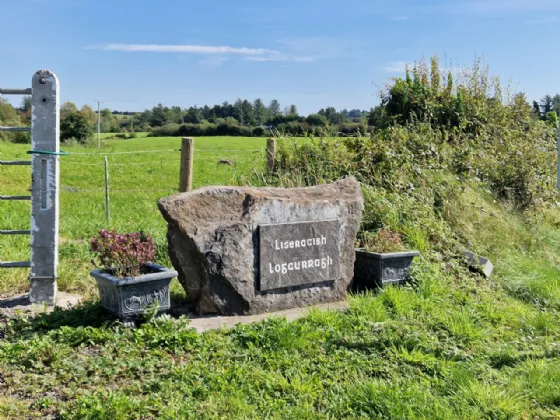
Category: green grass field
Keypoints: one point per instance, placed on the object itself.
(136, 180)
(451, 345)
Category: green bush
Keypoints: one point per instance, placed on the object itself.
(21, 138)
(167, 130)
(435, 143)
(260, 132)
(229, 127)
(75, 126)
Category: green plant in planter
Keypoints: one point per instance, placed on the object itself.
(381, 258)
(129, 283)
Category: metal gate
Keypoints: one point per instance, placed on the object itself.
(45, 181)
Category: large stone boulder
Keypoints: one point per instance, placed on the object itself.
(243, 250)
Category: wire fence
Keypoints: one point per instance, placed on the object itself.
(114, 176)
(132, 181)
(222, 157)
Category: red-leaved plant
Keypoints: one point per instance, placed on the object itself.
(384, 240)
(123, 254)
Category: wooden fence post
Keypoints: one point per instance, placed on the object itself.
(271, 155)
(187, 157)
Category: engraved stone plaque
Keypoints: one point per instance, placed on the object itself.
(296, 254)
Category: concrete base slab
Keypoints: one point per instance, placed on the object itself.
(205, 323)
(9, 305)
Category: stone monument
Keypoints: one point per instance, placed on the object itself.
(243, 250)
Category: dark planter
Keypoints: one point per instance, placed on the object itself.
(128, 298)
(373, 270)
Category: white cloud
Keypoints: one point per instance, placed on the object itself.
(395, 67)
(187, 49)
(250, 54)
(400, 18)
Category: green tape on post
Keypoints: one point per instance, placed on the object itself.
(46, 152)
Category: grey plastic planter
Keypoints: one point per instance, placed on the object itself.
(373, 270)
(129, 297)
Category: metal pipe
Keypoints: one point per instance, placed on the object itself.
(15, 162)
(14, 197)
(28, 91)
(15, 264)
(15, 128)
(15, 232)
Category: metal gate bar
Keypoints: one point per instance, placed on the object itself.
(15, 232)
(18, 129)
(15, 197)
(15, 162)
(15, 264)
(28, 91)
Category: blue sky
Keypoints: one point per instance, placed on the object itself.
(313, 53)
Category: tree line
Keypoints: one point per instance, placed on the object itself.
(420, 95)
(242, 118)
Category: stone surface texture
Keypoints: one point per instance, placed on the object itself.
(213, 236)
(480, 264)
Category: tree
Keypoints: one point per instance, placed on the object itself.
(376, 117)
(193, 116)
(174, 114)
(536, 109)
(274, 108)
(25, 109)
(259, 112)
(227, 110)
(10, 117)
(556, 104)
(89, 113)
(159, 116)
(331, 115)
(25, 104)
(238, 111)
(316, 120)
(67, 108)
(108, 122)
(293, 110)
(76, 126)
(247, 110)
(546, 104)
(552, 119)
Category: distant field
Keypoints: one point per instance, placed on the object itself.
(137, 181)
